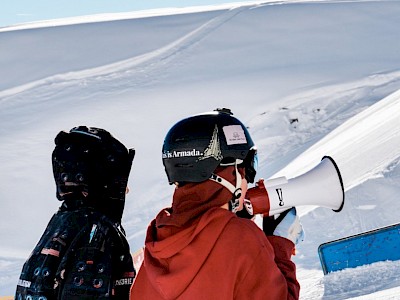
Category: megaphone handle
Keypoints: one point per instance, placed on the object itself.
(278, 211)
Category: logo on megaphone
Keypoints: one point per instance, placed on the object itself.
(321, 186)
(280, 196)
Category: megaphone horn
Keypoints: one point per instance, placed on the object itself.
(321, 186)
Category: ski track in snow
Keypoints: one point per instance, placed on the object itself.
(139, 71)
(136, 71)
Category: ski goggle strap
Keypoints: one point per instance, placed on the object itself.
(250, 164)
(235, 190)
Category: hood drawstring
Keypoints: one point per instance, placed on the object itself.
(235, 190)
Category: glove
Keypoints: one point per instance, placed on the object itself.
(247, 211)
(287, 225)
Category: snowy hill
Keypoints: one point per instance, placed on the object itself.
(309, 78)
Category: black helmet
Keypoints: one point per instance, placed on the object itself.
(91, 167)
(194, 147)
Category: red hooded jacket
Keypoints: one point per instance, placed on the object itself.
(197, 250)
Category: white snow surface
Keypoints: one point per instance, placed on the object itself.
(309, 78)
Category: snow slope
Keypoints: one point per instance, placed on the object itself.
(309, 78)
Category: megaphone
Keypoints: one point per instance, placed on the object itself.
(321, 186)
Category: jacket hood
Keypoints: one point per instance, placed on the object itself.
(181, 237)
(193, 199)
(173, 261)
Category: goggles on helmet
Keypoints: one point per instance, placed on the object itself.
(250, 164)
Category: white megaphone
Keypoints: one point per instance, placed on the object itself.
(321, 186)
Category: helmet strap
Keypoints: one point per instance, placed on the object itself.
(235, 190)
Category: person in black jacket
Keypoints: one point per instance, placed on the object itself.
(83, 253)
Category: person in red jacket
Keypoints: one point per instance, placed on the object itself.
(199, 248)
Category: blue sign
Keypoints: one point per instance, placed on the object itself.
(365, 248)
